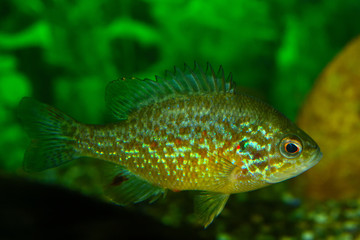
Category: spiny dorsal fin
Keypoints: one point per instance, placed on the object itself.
(125, 96)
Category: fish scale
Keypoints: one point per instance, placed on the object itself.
(175, 148)
(189, 130)
(149, 147)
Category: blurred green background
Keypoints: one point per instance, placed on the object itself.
(64, 52)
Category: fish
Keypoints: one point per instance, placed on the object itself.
(188, 130)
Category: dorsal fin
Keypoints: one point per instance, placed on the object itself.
(126, 95)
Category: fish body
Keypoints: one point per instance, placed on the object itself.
(188, 131)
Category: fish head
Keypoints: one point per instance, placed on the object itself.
(272, 151)
(269, 148)
(294, 153)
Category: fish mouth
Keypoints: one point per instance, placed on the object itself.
(296, 170)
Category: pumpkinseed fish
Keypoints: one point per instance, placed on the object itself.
(189, 130)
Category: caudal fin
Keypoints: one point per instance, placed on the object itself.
(51, 135)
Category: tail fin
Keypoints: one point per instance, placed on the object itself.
(51, 135)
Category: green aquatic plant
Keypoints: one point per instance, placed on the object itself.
(64, 52)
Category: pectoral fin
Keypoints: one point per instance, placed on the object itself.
(124, 187)
(208, 205)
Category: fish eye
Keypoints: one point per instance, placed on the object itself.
(290, 146)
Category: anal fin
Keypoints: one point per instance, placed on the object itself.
(124, 187)
(208, 205)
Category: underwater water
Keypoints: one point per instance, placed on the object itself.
(64, 53)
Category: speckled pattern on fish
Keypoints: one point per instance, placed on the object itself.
(191, 130)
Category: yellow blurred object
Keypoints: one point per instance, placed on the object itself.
(331, 115)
